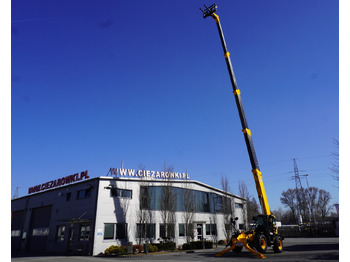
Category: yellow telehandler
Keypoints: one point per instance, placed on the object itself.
(264, 233)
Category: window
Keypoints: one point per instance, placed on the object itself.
(202, 202)
(179, 194)
(162, 231)
(241, 226)
(181, 230)
(145, 230)
(210, 229)
(115, 231)
(68, 196)
(109, 231)
(218, 204)
(144, 197)
(60, 233)
(185, 200)
(123, 193)
(238, 205)
(84, 232)
(40, 232)
(212, 197)
(15, 233)
(84, 193)
(167, 231)
(121, 230)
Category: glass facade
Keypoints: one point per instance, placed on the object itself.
(203, 202)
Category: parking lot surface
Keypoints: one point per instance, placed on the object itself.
(295, 249)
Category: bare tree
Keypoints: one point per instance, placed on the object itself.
(168, 206)
(213, 228)
(143, 214)
(278, 213)
(253, 208)
(289, 199)
(243, 192)
(124, 203)
(225, 184)
(316, 202)
(323, 207)
(226, 207)
(251, 204)
(188, 211)
(310, 199)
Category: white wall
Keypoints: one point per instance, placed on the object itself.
(109, 210)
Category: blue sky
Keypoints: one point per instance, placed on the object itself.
(95, 83)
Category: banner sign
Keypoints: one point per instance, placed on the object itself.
(148, 173)
(59, 182)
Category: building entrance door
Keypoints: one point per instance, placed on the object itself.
(199, 231)
(79, 238)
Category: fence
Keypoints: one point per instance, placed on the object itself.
(328, 228)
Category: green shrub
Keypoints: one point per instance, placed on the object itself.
(186, 246)
(152, 248)
(222, 242)
(197, 245)
(138, 248)
(115, 250)
(169, 246)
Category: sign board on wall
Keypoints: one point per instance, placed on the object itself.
(148, 173)
(59, 182)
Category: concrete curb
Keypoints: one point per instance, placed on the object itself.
(150, 254)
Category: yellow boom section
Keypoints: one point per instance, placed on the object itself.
(261, 191)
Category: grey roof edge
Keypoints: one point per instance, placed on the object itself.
(134, 179)
(172, 181)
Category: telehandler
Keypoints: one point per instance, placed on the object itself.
(265, 232)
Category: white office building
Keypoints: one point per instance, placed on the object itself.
(77, 214)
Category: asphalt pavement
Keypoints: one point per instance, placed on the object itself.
(295, 249)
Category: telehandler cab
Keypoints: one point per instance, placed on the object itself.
(264, 233)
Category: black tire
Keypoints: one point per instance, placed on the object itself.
(278, 245)
(261, 243)
(237, 249)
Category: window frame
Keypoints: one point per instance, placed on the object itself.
(211, 228)
(120, 193)
(60, 232)
(40, 232)
(183, 230)
(104, 231)
(119, 229)
(86, 193)
(84, 235)
(150, 229)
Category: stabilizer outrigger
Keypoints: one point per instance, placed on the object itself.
(238, 241)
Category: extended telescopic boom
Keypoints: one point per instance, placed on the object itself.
(210, 11)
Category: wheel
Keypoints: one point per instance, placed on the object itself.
(278, 245)
(237, 249)
(261, 243)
